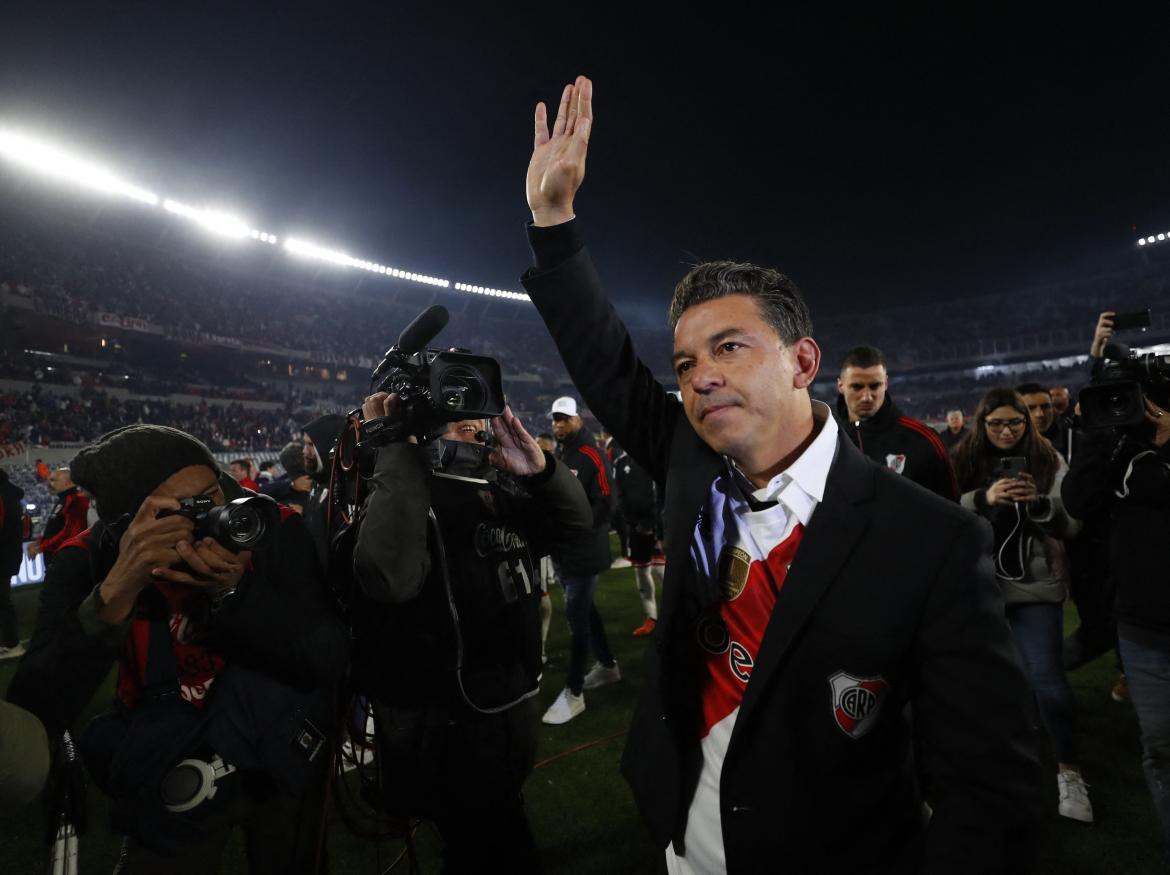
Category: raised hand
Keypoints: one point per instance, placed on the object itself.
(516, 451)
(1101, 334)
(557, 167)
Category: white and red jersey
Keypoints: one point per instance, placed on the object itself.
(747, 552)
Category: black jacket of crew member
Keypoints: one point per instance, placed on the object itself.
(447, 630)
(1104, 466)
(902, 444)
(588, 553)
(487, 535)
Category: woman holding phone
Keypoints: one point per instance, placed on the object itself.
(1010, 474)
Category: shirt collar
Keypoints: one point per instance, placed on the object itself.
(800, 486)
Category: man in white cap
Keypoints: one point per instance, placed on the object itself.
(579, 562)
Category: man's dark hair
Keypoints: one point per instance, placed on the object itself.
(863, 357)
(264, 466)
(243, 463)
(1033, 389)
(778, 298)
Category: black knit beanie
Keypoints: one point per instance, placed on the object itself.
(122, 467)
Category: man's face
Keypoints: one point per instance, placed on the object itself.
(864, 390)
(1060, 399)
(743, 389)
(237, 471)
(465, 430)
(310, 455)
(564, 427)
(955, 421)
(59, 481)
(1040, 409)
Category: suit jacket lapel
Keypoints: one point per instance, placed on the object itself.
(836, 526)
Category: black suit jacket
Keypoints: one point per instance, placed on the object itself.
(889, 581)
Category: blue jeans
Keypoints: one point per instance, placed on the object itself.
(1037, 631)
(585, 629)
(1147, 673)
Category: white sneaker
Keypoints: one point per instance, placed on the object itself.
(1074, 796)
(565, 708)
(12, 652)
(620, 562)
(600, 676)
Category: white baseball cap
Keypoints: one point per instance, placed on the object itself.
(565, 405)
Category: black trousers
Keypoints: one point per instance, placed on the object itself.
(464, 772)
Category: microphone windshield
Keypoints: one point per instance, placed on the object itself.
(422, 330)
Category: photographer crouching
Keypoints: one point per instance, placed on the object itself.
(447, 620)
(1122, 466)
(226, 646)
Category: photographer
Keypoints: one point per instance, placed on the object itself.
(218, 654)
(1009, 474)
(448, 626)
(1127, 474)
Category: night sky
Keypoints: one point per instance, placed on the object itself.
(879, 158)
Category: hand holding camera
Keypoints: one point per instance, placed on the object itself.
(1160, 419)
(149, 543)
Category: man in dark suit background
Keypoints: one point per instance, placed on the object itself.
(809, 596)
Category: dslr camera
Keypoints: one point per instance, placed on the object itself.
(243, 524)
(1117, 396)
(434, 387)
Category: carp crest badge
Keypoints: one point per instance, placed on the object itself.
(896, 462)
(857, 702)
(734, 565)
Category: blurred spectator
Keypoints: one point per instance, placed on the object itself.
(954, 432)
(68, 518)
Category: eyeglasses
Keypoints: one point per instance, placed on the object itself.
(1001, 424)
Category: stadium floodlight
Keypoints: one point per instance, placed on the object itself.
(51, 161)
(213, 220)
(1142, 242)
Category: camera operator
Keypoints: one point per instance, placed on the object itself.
(1127, 474)
(448, 627)
(219, 653)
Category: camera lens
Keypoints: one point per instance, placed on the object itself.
(244, 526)
(461, 388)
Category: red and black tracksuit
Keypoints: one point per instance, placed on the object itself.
(66, 521)
(902, 444)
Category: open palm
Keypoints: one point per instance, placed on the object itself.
(558, 160)
(515, 451)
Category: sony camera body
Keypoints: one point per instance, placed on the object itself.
(1117, 396)
(243, 524)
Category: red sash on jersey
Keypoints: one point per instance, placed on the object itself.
(731, 638)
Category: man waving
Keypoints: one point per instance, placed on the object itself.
(809, 595)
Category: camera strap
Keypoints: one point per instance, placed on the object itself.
(161, 677)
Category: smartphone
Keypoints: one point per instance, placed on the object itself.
(1125, 321)
(1011, 467)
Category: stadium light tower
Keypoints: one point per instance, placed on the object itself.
(52, 161)
(48, 160)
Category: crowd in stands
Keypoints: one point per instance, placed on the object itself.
(73, 274)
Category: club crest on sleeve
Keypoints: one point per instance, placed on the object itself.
(857, 701)
(896, 462)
